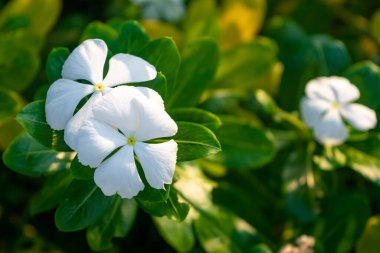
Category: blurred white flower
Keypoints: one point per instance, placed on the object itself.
(170, 10)
(329, 101)
(124, 120)
(87, 62)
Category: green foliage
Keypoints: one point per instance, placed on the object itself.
(54, 63)
(195, 115)
(10, 104)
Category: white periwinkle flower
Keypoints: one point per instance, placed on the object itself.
(123, 121)
(328, 103)
(87, 62)
(171, 10)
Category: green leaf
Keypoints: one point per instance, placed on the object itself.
(195, 141)
(225, 233)
(131, 38)
(32, 118)
(163, 54)
(366, 165)
(330, 54)
(375, 25)
(83, 204)
(37, 16)
(28, 157)
(199, 116)
(299, 199)
(179, 235)
(197, 71)
(55, 61)
(244, 146)
(366, 76)
(172, 208)
(116, 222)
(99, 30)
(368, 242)
(81, 172)
(246, 64)
(19, 65)
(51, 193)
(10, 104)
(342, 221)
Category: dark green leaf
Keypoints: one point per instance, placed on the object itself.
(244, 146)
(32, 118)
(366, 76)
(55, 61)
(28, 157)
(163, 54)
(196, 74)
(199, 116)
(158, 84)
(131, 38)
(81, 172)
(99, 30)
(83, 204)
(116, 222)
(10, 104)
(51, 193)
(179, 235)
(195, 141)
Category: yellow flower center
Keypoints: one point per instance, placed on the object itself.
(335, 105)
(131, 140)
(99, 87)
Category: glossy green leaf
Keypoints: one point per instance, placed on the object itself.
(163, 54)
(172, 208)
(196, 74)
(244, 146)
(55, 61)
(32, 118)
(37, 16)
(81, 172)
(28, 157)
(10, 104)
(131, 38)
(83, 204)
(245, 64)
(99, 30)
(51, 193)
(179, 235)
(116, 222)
(366, 76)
(19, 65)
(195, 141)
(199, 116)
(159, 84)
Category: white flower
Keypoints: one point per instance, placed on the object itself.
(171, 10)
(327, 103)
(122, 123)
(87, 62)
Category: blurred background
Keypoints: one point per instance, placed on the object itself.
(277, 59)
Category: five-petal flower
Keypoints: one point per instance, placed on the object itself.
(123, 121)
(329, 101)
(87, 62)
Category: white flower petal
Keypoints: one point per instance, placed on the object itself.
(86, 62)
(126, 68)
(331, 130)
(319, 88)
(76, 122)
(158, 162)
(344, 90)
(115, 106)
(62, 98)
(96, 140)
(152, 95)
(153, 122)
(359, 116)
(312, 110)
(118, 174)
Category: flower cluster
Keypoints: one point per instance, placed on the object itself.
(115, 123)
(328, 104)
